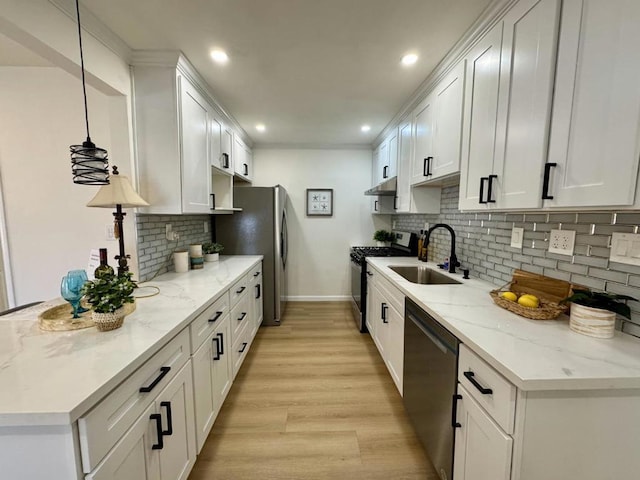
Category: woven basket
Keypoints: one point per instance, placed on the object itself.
(548, 290)
(109, 321)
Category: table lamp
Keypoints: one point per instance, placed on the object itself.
(119, 194)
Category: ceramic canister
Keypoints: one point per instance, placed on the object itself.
(197, 262)
(195, 250)
(181, 261)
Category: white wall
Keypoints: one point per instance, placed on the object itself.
(319, 267)
(50, 229)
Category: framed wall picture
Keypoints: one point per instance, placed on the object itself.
(320, 202)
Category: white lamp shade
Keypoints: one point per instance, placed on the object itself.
(118, 192)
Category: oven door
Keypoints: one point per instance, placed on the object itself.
(357, 294)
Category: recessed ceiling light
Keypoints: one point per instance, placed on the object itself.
(365, 128)
(219, 56)
(260, 127)
(409, 59)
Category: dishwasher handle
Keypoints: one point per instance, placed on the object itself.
(430, 335)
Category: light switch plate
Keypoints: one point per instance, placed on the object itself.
(562, 241)
(109, 234)
(625, 248)
(517, 235)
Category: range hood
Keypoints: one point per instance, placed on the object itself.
(386, 188)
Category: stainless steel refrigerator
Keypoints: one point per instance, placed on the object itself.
(260, 229)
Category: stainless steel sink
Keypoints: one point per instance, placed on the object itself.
(423, 275)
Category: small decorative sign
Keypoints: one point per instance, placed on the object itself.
(320, 202)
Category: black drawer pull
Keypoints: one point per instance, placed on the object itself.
(471, 377)
(221, 337)
(215, 317)
(163, 373)
(454, 412)
(158, 419)
(256, 274)
(258, 291)
(169, 430)
(545, 182)
(244, 345)
(241, 290)
(482, 180)
(370, 274)
(216, 355)
(241, 317)
(489, 193)
(384, 313)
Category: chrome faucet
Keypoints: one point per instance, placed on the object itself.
(453, 260)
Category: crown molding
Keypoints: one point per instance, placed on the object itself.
(491, 15)
(312, 146)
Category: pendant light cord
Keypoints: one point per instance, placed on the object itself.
(84, 88)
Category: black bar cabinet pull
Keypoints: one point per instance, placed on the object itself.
(258, 293)
(217, 348)
(489, 193)
(241, 317)
(246, 168)
(169, 430)
(225, 160)
(241, 290)
(221, 337)
(158, 419)
(471, 377)
(370, 274)
(454, 412)
(384, 313)
(426, 167)
(482, 180)
(215, 317)
(384, 171)
(545, 182)
(213, 201)
(395, 202)
(244, 345)
(375, 205)
(163, 373)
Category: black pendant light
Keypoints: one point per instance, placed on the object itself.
(89, 164)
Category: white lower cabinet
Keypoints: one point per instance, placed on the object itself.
(161, 443)
(482, 449)
(255, 289)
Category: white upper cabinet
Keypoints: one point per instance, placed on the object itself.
(242, 159)
(196, 165)
(508, 94)
(438, 129)
(385, 159)
(594, 144)
(220, 150)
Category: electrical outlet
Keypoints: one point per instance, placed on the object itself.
(517, 235)
(169, 233)
(110, 234)
(562, 241)
(426, 226)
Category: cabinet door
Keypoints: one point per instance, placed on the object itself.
(447, 124)
(257, 299)
(403, 189)
(221, 371)
(382, 320)
(372, 302)
(482, 449)
(241, 158)
(596, 113)
(204, 394)
(215, 143)
(395, 346)
(175, 406)
(226, 149)
(196, 167)
(133, 457)
(392, 159)
(422, 141)
(480, 117)
(524, 110)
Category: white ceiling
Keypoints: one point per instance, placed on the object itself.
(313, 71)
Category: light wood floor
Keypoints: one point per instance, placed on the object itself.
(313, 401)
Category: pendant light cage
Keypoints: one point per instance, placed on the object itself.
(89, 164)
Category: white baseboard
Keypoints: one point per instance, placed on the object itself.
(310, 298)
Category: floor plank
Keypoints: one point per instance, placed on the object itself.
(313, 401)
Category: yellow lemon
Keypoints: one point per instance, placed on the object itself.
(512, 297)
(529, 301)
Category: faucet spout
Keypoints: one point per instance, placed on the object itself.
(453, 259)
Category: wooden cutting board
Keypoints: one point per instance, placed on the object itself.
(546, 288)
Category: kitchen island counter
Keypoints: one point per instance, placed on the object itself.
(531, 354)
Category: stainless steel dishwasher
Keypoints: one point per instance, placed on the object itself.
(430, 366)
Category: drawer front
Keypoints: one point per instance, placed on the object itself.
(207, 321)
(240, 316)
(237, 291)
(240, 348)
(477, 376)
(255, 275)
(394, 296)
(103, 426)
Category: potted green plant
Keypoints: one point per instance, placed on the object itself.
(383, 237)
(212, 251)
(107, 296)
(594, 313)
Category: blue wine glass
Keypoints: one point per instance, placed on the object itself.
(71, 289)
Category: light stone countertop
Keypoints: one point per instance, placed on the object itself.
(52, 378)
(532, 354)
